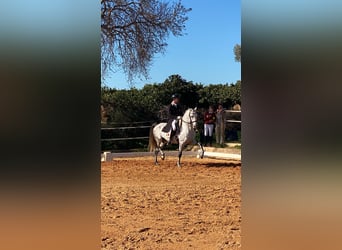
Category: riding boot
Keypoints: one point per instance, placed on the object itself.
(176, 133)
(210, 140)
(205, 140)
(171, 135)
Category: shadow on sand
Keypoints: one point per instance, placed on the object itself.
(222, 164)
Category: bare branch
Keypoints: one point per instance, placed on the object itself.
(133, 31)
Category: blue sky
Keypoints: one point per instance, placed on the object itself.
(205, 55)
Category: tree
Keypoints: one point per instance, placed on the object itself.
(132, 31)
(235, 93)
(187, 90)
(237, 52)
(213, 94)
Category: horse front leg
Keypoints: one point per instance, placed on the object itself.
(201, 154)
(180, 150)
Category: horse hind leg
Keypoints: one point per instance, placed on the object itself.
(162, 154)
(156, 151)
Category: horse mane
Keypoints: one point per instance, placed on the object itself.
(188, 110)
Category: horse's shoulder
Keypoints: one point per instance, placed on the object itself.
(161, 124)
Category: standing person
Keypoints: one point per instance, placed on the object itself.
(209, 121)
(175, 113)
(220, 124)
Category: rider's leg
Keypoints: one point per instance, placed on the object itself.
(174, 125)
(175, 129)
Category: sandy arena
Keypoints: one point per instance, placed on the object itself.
(165, 207)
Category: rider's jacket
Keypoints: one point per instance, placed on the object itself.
(175, 110)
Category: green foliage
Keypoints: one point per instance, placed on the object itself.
(225, 94)
(234, 93)
(237, 52)
(144, 104)
(213, 94)
(187, 90)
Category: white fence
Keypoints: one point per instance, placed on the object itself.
(109, 156)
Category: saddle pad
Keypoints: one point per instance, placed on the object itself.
(167, 127)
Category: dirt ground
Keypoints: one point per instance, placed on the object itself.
(166, 207)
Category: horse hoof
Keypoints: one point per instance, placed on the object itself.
(156, 164)
(162, 157)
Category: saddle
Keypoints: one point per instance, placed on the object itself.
(167, 128)
(166, 132)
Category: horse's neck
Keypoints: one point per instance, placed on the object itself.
(186, 125)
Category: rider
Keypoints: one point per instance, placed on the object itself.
(175, 111)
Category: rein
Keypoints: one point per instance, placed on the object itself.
(191, 122)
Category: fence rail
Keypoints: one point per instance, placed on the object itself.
(233, 111)
(125, 138)
(115, 123)
(125, 127)
(146, 137)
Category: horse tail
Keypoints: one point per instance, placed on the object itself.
(152, 142)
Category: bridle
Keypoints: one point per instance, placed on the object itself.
(191, 121)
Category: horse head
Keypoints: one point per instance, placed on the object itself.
(190, 117)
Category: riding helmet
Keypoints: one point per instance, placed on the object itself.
(174, 96)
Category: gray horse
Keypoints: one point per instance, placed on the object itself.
(187, 136)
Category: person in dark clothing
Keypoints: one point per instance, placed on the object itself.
(175, 112)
